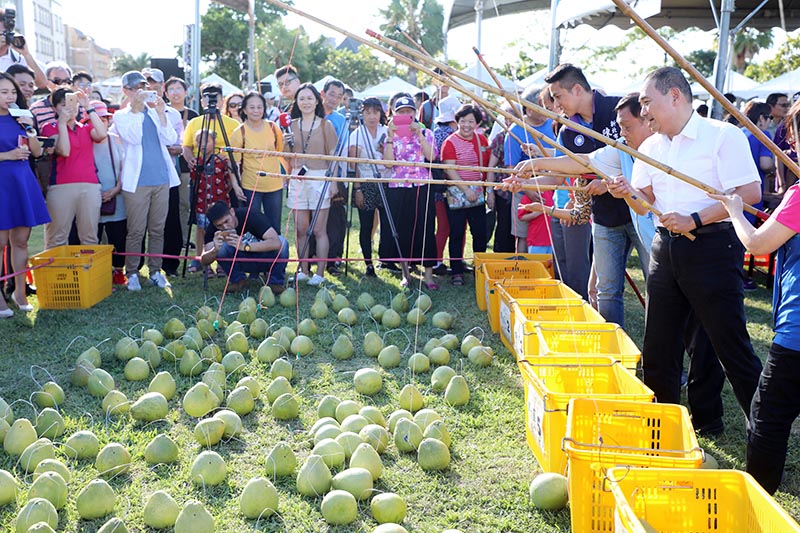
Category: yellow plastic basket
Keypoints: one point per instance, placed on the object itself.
(689, 501)
(551, 382)
(540, 289)
(526, 313)
(602, 434)
(505, 270)
(571, 338)
(77, 278)
(489, 257)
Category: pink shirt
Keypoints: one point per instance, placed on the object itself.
(788, 213)
(79, 166)
(409, 149)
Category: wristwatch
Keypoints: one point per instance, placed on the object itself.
(247, 247)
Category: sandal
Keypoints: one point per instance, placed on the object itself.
(458, 280)
(194, 266)
(431, 286)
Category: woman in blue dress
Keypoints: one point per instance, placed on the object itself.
(21, 203)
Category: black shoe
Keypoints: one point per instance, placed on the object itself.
(391, 267)
(750, 285)
(171, 273)
(440, 269)
(371, 271)
(333, 270)
(711, 430)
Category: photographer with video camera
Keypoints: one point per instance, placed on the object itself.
(14, 50)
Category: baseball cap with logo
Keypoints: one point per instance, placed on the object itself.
(132, 78)
(403, 102)
(153, 73)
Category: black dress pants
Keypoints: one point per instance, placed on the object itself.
(704, 277)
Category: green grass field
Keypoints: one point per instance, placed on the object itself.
(484, 490)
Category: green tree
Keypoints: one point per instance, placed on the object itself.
(703, 60)
(422, 20)
(786, 60)
(277, 46)
(126, 62)
(358, 70)
(225, 33)
(524, 67)
(746, 44)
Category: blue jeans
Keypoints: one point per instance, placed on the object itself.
(611, 248)
(269, 203)
(571, 254)
(237, 269)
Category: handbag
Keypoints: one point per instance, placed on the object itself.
(109, 207)
(456, 199)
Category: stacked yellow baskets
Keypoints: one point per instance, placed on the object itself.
(631, 464)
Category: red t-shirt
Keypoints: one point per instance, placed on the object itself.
(474, 152)
(539, 227)
(79, 166)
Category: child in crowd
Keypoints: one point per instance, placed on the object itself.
(211, 181)
(538, 239)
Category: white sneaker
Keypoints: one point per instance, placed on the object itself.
(133, 282)
(315, 280)
(300, 276)
(159, 279)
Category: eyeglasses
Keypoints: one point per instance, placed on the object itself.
(785, 104)
(59, 81)
(234, 105)
(83, 85)
(286, 82)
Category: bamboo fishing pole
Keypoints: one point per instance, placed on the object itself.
(500, 86)
(416, 181)
(477, 98)
(688, 67)
(365, 161)
(589, 132)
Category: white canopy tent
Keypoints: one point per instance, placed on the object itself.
(735, 83)
(227, 87)
(787, 83)
(537, 79)
(388, 88)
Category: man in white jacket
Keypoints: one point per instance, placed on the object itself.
(147, 174)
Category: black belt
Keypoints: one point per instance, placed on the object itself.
(704, 230)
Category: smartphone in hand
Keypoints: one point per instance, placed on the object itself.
(150, 96)
(22, 141)
(402, 125)
(71, 100)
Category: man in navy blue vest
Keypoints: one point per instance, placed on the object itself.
(613, 230)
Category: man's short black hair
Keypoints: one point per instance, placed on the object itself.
(772, 99)
(211, 88)
(18, 68)
(666, 78)
(173, 80)
(217, 211)
(702, 110)
(630, 102)
(284, 70)
(333, 83)
(82, 74)
(567, 75)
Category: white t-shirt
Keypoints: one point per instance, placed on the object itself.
(711, 151)
(368, 149)
(8, 60)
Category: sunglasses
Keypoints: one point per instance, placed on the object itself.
(59, 81)
(234, 105)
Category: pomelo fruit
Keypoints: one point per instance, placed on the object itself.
(433, 454)
(314, 477)
(194, 518)
(339, 507)
(162, 449)
(112, 459)
(548, 491)
(388, 508)
(161, 510)
(208, 468)
(259, 499)
(36, 510)
(95, 500)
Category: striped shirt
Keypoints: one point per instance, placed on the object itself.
(465, 152)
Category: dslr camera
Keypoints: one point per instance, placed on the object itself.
(9, 23)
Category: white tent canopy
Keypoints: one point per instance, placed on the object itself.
(388, 88)
(477, 70)
(227, 87)
(537, 79)
(787, 83)
(735, 83)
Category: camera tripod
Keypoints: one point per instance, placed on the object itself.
(354, 121)
(210, 114)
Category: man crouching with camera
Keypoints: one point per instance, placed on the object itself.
(235, 232)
